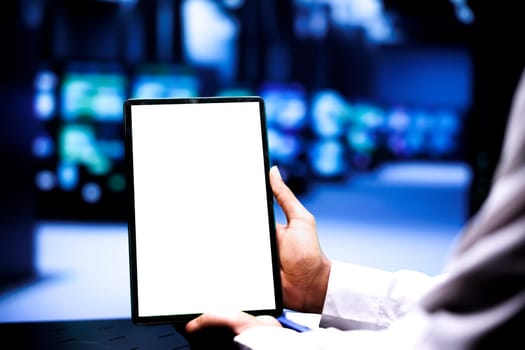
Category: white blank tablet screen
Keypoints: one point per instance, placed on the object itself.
(201, 209)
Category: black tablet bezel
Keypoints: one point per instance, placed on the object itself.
(184, 318)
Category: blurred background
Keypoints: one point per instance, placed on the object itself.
(384, 116)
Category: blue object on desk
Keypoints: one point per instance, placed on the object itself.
(287, 323)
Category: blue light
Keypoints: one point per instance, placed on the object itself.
(464, 13)
(285, 105)
(93, 95)
(311, 20)
(330, 113)
(441, 144)
(368, 15)
(233, 4)
(78, 145)
(113, 149)
(108, 104)
(448, 122)
(91, 192)
(398, 120)
(45, 180)
(45, 81)
(44, 105)
(361, 140)
(422, 121)
(415, 142)
(67, 176)
(327, 158)
(235, 91)
(160, 81)
(43, 146)
(209, 37)
(283, 147)
(443, 137)
(369, 116)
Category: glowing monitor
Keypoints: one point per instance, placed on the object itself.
(161, 81)
(92, 92)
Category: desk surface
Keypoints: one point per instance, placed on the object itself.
(108, 334)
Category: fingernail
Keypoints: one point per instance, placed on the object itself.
(277, 172)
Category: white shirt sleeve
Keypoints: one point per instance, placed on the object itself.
(361, 297)
(409, 332)
(364, 309)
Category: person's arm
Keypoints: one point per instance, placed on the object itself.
(358, 297)
(361, 297)
(364, 308)
(406, 333)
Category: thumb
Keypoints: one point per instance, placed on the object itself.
(286, 199)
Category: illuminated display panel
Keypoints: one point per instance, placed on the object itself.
(162, 81)
(92, 91)
(388, 103)
(79, 150)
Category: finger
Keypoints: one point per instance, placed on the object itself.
(236, 321)
(265, 320)
(209, 320)
(286, 199)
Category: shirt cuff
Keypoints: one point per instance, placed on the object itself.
(368, 298)
(354, 297)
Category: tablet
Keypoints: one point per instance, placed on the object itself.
(201, 222)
